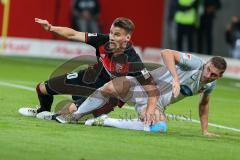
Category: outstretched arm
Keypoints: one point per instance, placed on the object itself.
(64, 32)
(153, 95)
(170, 59)
(203, 114)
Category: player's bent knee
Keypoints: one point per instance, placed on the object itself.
(41, 89)
(122, 88)
(108, 89)
(72, 108)
(118, 87)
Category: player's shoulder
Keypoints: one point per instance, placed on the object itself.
(130, 51)
(190, 61)
(132, 55)
(190, 56)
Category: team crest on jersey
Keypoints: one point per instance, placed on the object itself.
(92, 34)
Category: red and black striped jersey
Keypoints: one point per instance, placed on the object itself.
(128, 63)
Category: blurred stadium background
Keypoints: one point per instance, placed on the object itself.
(29, 55)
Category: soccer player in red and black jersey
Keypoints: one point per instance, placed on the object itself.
(115, 57)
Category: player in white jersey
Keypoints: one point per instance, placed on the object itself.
(184, 75)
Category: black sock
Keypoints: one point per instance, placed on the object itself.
(44, 100)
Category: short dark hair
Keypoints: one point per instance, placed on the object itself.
(219, 62)
(124, 23)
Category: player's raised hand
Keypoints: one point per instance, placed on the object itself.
(44, 23)
(175, 87)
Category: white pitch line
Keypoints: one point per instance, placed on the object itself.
(194, 121)
(131, 108)
(2, 83)
(18, 86)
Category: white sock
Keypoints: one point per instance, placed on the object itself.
(94, 101)
(133, 124)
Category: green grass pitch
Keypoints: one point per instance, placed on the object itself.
(25, 138)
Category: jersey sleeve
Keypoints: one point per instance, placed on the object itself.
(136, 66)
(210, 88)
(138, 70)
(94, 39)
(189, 61)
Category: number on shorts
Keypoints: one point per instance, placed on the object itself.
(72, 75)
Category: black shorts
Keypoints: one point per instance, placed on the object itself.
(78, 84)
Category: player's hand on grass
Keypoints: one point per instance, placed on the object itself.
(175, 87)
(44, 23)
(149, 116)
(209, 134)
